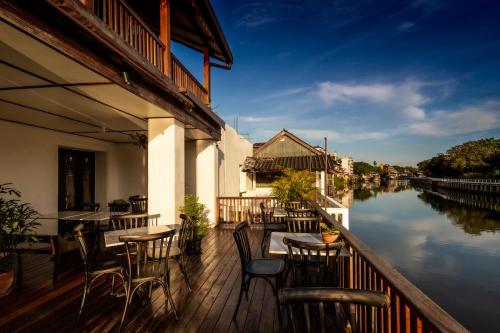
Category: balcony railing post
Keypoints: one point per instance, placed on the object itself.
(206, 74)
(165, 35)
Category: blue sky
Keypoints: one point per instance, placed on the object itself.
(391, 81)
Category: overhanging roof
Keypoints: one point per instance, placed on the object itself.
(276, 164)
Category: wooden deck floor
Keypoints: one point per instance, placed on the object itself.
(42, 306)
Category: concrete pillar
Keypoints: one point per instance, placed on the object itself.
(207, 175)
(322, 181)
(165, 168)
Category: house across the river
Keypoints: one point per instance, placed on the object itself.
(284, 150)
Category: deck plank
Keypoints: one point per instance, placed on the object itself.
(43, 305)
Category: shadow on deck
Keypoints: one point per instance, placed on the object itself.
(43, 306)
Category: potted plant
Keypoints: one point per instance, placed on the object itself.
(294, 185)
(330, 233)
(17, 225)
(197, 212)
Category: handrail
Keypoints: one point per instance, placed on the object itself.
(411, 310)
(184, 79)
(123, 20)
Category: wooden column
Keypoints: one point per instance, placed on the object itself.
(88, 3)
(206, 73)
(165, 35)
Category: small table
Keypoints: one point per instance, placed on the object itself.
(112, 238)
(278, 247)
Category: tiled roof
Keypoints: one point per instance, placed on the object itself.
(312, 163)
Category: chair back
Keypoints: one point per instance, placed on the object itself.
(82, 246)
(118, 206)
(304, 224)
(139, 204)
(186, 232)
(301, 212)
(129, 221)
(295, 205)
(313, 264)
(148, 255)
(266, 213)
(320, 309)
(241, 238)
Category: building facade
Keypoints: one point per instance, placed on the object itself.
(95, 107)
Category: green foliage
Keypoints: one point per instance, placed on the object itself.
(294, 185)
(330, 229)
(480, 158)
(18, 220)
(197, 212)
(363, 168)
(339, 183)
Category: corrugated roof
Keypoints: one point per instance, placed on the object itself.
(269, 164)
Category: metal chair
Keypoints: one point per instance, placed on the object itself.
(178, 252)
(118, 206)
(129, 221)
(301, 212)
(149, 266)
(269, 227)
(326, 306)
(266, 269)
(313, 264)
(95, 268)
(304, 224)
(139, 204)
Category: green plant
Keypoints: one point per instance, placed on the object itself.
(294, 186)
(330, 229)
(18, 220)
(197, 212)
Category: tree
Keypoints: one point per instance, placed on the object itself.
(478, 158)
(363, 168)
(294, 185)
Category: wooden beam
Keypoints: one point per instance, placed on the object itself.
(206, 74)
(165, 30)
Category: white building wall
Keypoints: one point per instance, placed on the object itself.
(29, 160)
(232, 151)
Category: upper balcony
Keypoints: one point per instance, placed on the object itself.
(150, 27)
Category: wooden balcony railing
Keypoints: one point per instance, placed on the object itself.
(186, 81)
(411, 311)
(123, 20)
(238, 209)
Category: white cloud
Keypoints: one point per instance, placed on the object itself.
(330, 92)
(282, 93)
(405, 26)
(253, 120)
(344, 136)
(406, 99)
(470, 119)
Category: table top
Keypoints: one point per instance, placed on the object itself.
(84, 216)
(112, 238)
(278, 247)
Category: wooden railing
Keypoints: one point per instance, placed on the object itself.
(238, 209)
(410, 311)
(123, 20)
(186, 81)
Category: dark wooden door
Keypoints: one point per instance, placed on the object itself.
(76, 179)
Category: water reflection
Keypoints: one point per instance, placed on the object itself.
(462, 209)
(447, 244)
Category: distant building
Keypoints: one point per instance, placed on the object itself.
(347, 165)
(284, 150)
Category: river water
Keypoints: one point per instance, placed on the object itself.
(449, 250)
